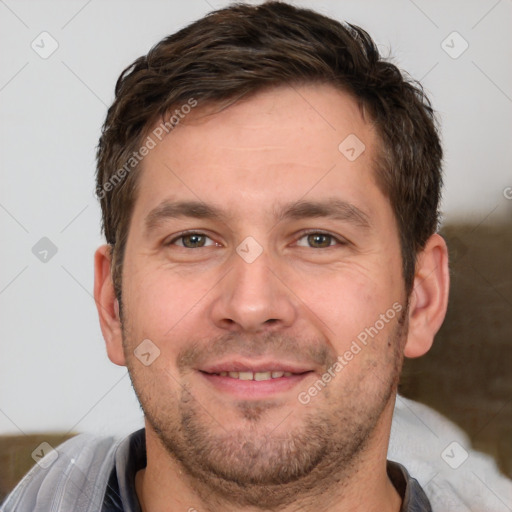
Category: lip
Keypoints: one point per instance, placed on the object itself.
(252, 389)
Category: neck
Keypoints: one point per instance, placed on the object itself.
(165, 485)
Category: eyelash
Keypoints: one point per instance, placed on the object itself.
(339, 241)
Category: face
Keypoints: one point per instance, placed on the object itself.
(263, 264)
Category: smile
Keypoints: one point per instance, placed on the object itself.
(259, 376)
(262, 382)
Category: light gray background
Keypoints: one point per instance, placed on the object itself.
(54, 373)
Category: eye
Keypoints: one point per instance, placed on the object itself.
(318, 240)
(192, 241)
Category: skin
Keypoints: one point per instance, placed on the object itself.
(216, 443)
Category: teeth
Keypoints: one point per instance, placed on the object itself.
(258, 376)
(262, 376)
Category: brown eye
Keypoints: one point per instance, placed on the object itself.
(192, 241)
(319, 240)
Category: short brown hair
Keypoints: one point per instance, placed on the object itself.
(241, 50)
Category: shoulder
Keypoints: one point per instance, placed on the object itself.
(72, 476)
(438, 454)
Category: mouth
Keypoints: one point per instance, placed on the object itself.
(258, 376)
(251, 381)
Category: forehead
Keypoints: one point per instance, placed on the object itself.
(281, 144)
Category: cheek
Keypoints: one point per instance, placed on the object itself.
(160, 303)
(358, 308)
(349, 302)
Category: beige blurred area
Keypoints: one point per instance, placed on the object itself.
(467, 375)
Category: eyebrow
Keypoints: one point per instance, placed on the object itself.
(173, 210)
(334, 208)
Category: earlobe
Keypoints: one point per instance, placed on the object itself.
(107, 305)
(429, 298)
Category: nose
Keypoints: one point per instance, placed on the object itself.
(253, 297)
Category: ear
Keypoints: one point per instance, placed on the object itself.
(108, 306)
(429, 298)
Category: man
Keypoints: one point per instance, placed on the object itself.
(269, 189)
